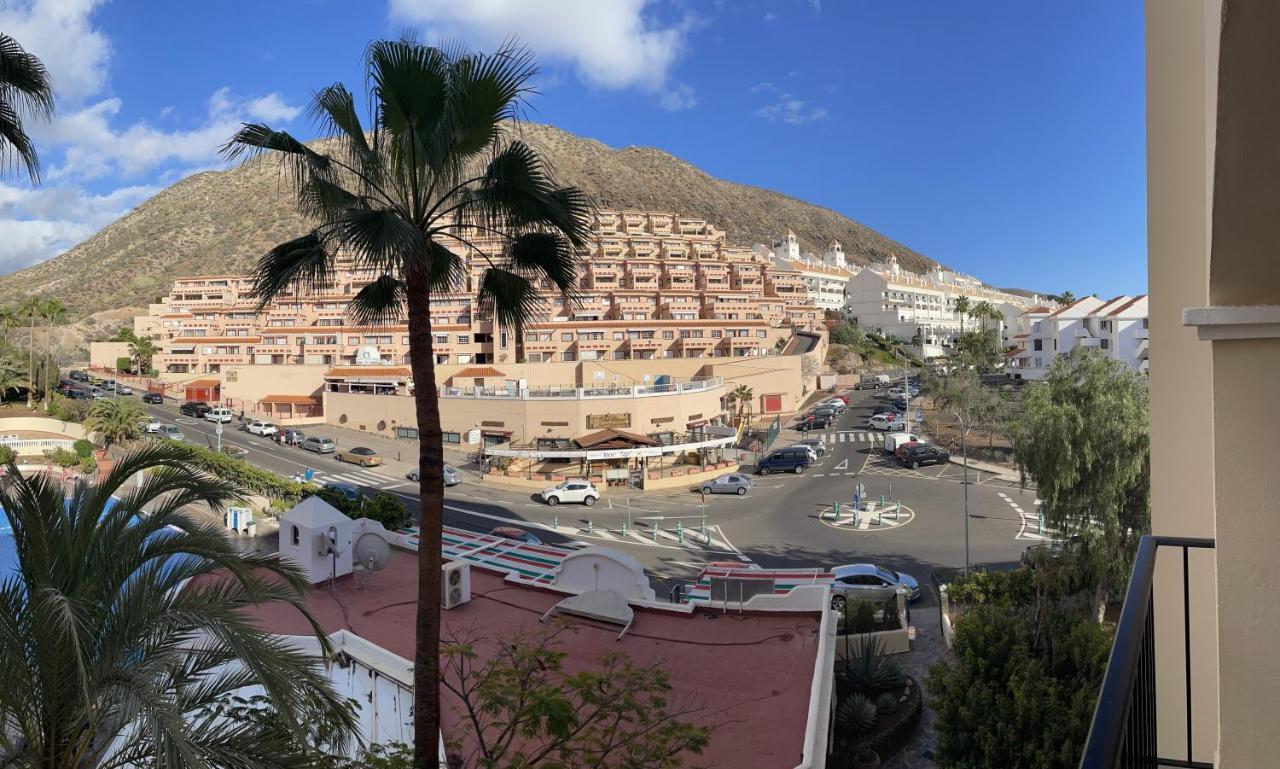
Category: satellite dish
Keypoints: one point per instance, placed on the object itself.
(368, 356)
(373, 553)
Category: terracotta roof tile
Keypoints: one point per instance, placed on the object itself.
(479, 372)
(377, 371)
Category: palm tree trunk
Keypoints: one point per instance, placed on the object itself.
(426, 667)
(48, 352)
(31, 363)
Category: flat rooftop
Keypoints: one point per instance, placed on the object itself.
(750, 674)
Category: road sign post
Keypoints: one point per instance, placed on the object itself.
(218, 432)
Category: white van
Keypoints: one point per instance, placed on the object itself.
(221, 414)
(893, 440)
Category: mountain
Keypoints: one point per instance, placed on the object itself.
(220, 222)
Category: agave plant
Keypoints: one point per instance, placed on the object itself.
(869, 670)
(124, 635)
(437, 170)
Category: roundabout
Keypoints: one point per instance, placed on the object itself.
(869, 518)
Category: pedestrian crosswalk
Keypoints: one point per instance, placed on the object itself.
(849, 436)
(367, 478)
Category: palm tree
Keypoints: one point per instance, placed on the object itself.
(9, 320)
(125, 631)
(31, 307)
(438, 171)
(982, 311)
(25, 90)
(961, 308)
(741, 396)
(10, 376)
(115, 420)
(52, 312)
(142, 349)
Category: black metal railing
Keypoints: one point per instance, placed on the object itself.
(1123, 732)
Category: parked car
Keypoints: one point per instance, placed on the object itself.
(813, 454)
(78, 375)
(870, 582)
(79, 395)
(815, 423)
(900, 404)
(825, 411)
(818, 446)
(881, 422)
(451, 475)
(259, 427)
(98, 392)
(221, 414)
(836, 404)
(729, 483)
(360, 455)
(784, 460)
(572, 490)
(172, 432)
(893, 440)
(843, 399)
(156, 398)
(516, 533)
(924, 454)
(151, 425)
(292, 436)
(319, 444)
(867, 384)
(195, 409)
(348, 490)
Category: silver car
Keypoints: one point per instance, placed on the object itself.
(818, 446)
(319, 444)
(729, 483)
(451, 476)
(871, 582)
(172, 432)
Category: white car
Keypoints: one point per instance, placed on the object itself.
(881, 422)
(222, 415)
(265, 429)
(813, 453)
(124, 390)
(572, 490)
(151, 425)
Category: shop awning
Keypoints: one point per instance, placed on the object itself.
(298, 400)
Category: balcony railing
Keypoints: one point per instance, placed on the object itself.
(1123, 732)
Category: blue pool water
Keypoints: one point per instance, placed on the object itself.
(8, 551)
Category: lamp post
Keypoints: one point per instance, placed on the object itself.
(964, 450)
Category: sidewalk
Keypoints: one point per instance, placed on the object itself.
(1000, 471)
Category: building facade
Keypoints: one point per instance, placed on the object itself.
(923, 307)
(1116, 327)
(823, 278)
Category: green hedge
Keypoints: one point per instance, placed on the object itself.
(252, 479)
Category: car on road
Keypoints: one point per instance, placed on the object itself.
(869, 582)
(97, 393)
(867, 384)
(784, 460)
(348, 490)
(451, 475)
(221, 415)
(123, 389)
(360, 455)
(151, 425)
(516, 533)
(729, 483)
(882, 422)
(156, 398)
(77, 375)
(195, 409)
(814, 423)
(818, 446)
(893, 440)
(572, 490)
(292, 436)
(826, 411)
(319, 444)
(260, 427)
(813, 453)
(172, 432)
(842, 398)
(914, 456)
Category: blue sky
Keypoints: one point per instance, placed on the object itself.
(1004, 138)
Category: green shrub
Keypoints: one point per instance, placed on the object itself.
(123, 363)
(88, 465)
(340, 502)
(83, 448)
(862, 616)
(886, 704)
(870, 670)
(252, 479)
(7, 455)
(386, 509)
(62, 457)
(1000, 588)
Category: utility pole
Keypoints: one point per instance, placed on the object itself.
(964, 450)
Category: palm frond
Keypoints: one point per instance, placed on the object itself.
(512, 298)
(549, 254)
(378, 239)
(485, 92)
(25, 91)
(254, 139)
(379, 303)
(304, 262)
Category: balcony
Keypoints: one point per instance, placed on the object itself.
(1123, 732)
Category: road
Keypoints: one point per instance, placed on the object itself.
(779, 524)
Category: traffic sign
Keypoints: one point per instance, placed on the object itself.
(919, 415)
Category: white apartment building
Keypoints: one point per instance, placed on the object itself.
(894, 302)
(1117, 327)
(824, 277)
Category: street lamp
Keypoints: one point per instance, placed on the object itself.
(964, 450)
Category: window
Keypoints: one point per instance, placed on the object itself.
(502, 340)
(353, 340)
(1039, 345)
(761, 334)
(618, 336)
(668, 335)
(716, 334)
(1106, 344)
(464, 358)
(411, 433)
(404, 339)
(464, 339)
(448, 437)
(442, 339)
(295, 536)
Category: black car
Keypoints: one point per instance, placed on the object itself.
(815, 423)
(195, 409)
(78, 376)
(867, 384)
(915, 456)
(156, 398)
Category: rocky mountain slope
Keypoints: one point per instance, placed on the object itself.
(220, 222)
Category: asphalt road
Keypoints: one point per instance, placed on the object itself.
(780, 523)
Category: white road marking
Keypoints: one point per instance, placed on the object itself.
(844, 464)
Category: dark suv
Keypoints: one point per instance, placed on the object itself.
(924, 454)
(196, 409)
(793, 460)
(156, 398)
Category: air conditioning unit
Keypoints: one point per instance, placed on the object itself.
(455, 584)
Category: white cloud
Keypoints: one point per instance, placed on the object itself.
(36, 224)
(613, 44)
(59, 33)
(788, 109)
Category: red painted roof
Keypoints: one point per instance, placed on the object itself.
(751, 674)
(369, 371)
(479, 372)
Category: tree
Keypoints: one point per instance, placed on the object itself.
(31, 307)
(961, 308)
(1084, 440)
(143, 350)
(124, 334)
(386, 509)
(25, 91)
(123, 363)
(523, 709)
(51, 312)
(10, 376)
(115, 420)
(439, 170)
(113, 584)
(9, 320)
(848, 334)
(740, 397)
(979, 351)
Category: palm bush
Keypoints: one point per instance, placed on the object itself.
(436, 174)
(124, 633)
(115, 420)
(869, 670)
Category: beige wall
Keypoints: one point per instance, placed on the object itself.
(1181, 88)
(251, 383)
(105, 353)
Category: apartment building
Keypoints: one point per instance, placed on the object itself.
(654, 286)
(823, 278)
(905, 305)
(1117, 327)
